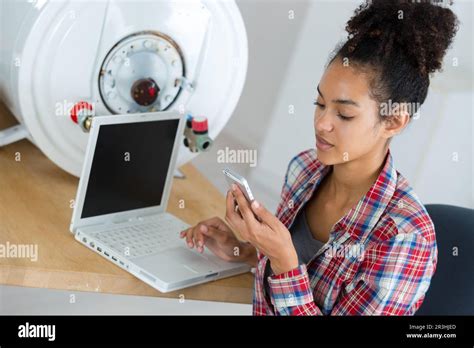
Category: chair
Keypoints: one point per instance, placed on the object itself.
(451, 291)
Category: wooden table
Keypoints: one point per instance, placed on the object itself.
(35, 208)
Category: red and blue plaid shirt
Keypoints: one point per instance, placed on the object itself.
(379, 259)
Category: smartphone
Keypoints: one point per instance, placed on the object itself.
(240, 181)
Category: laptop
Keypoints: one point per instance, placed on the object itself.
(120, 208)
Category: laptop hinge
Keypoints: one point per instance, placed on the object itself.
(132, 219)
(118, 221)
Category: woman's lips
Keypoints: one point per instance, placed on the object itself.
(322, 144)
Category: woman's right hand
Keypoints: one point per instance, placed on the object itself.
(219, 238)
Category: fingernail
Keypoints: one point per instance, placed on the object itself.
(203, 228)
(200, 243)
(190, 244)
(234, 187)
(255, 204)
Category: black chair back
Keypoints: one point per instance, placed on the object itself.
(451, 291)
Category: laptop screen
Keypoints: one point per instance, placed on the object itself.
(129, 166)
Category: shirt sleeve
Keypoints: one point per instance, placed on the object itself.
(392, 280)
(291, 294)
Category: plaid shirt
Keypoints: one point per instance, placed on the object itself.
(379, 259)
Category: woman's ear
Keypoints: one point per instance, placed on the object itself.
(396, 122)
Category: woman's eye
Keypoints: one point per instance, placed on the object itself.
(344, 118)
(341, 116)
(318, 104)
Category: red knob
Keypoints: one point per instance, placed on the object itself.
(199, 124)
(78, 108)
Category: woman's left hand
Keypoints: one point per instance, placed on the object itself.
(269, 235)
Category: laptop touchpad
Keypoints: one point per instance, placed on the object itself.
(175, 263)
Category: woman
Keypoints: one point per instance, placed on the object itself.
(350, 236)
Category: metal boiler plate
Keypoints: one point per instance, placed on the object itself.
(143, 72)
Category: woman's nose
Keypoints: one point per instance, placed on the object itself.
(323, 123)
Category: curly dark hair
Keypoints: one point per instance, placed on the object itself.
(402, 43)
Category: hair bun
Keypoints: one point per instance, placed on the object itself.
(420, 30)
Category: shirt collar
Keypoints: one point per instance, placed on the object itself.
(361, 219)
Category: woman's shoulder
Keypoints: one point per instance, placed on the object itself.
(302, 165)
(409, 213)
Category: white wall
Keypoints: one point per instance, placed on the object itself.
(272, 38)
(285, 70)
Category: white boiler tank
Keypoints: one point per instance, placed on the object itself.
(99, 56)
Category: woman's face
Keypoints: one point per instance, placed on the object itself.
(346, 116)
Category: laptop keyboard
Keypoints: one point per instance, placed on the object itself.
(142, 239)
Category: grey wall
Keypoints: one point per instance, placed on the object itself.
(272, 38)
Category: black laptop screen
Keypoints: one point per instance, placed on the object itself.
(129, 167)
